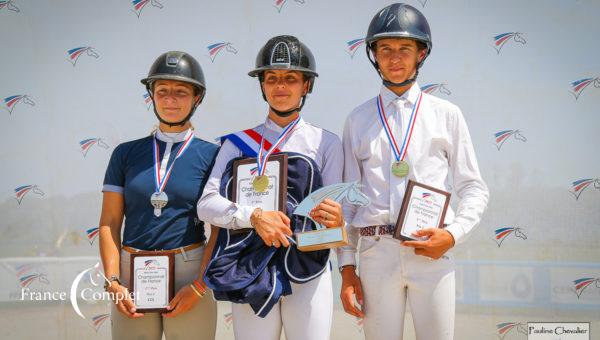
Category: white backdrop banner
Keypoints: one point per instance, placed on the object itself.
(526, 75)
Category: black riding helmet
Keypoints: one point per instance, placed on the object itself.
(398, 21)
(175, 65)
(285, 52)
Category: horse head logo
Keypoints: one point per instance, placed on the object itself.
(228, 319)
(77, 52)
(502, 136)
(279, 4)
(29, 273)
(431, 88)
(422, 2)
(583, 283)
(214, 49)
(501, 39)
(505, 327)
(93, 273)
(353, 45)
(86, 144)
(98, 320)
(578, 86)
(502, 233)
(22, 191)
(9, 4)
(139, 5)
(92, 234)
(337, 192)
(147, 101)
(12, 101)
(578, 186)
(26, 280)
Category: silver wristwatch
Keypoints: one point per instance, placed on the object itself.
(110, 281)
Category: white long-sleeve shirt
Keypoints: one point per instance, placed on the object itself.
(440, 153)
(324, 147)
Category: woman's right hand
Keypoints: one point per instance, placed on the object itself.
(272, 226)
(121, 298)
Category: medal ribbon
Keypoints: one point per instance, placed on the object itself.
(161, 181)
(261, 160)
(399, 153)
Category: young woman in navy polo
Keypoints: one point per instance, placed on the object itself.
(154, 183)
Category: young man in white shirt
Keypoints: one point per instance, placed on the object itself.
(399, 135)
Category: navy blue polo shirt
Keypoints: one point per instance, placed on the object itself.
(131, 172)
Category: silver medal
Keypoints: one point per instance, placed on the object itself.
(159, 200)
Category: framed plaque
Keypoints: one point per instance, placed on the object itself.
(273, 198)
(151, 280)
(422, 207)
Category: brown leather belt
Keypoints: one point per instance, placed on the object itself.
(375, 230)
(174, 251)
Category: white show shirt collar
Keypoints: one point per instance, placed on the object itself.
(271, 125)
(171, 137)
(388, 97)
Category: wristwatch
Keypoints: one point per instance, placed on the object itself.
(348, 265)
(111, 279)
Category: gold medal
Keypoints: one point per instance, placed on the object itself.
(260, 183)
(400, 168)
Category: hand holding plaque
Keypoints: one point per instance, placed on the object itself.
(151, 280)
(422, 207)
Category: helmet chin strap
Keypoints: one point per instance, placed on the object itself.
(288, 112)
(171, 124)
(284, 113)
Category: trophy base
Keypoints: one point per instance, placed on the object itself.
(322, 239)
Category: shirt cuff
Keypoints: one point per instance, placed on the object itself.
(346, 257)
(242, 216)
(457, 232)
(112, 188)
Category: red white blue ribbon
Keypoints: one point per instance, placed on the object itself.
(161, 181)
(261, 160)
(399, 153)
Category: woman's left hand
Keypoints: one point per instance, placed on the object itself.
(184, 300)
(328, 213)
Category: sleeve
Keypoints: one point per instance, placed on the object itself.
(216, 209)
(114, 178)
(470, 188)
(333, 162)
(347, 255)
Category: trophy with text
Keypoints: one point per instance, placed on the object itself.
(322, 237)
